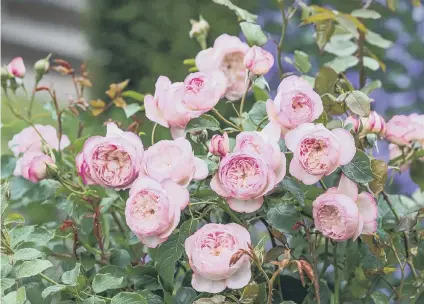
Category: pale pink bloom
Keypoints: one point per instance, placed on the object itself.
(113, 161)
(209, 252)
(219, 145)
(318, 151)
(33, 166)
(16, 67)
(258, 61)
(341, 213)
(374, 123)
(201, 93)
(251, 171)
(163, 107)
(153, 209)
(29, 140)
(175, 160)
(296, 103)
(403, 130)
(395, 151)
(227, 55)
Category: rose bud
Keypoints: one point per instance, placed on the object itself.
(258, 61)
(374, 124)
(16, 67)
(33, 166)
(219, 145)
(210, 250)
(199, 30)
(341, 213)
(296, 103)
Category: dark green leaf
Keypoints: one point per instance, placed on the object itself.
(166, 257)
(260, 94)
(258, 112)
(185, 295)
(120, 257)
(417, 173)
(289, 184)
(359, 169)
(301, 62)
(51, 290)
(250, 293)
(253, 33)
(27, 254)
(128, 298)
(241, 13)
(70, 277)
(274, 253)
(324, 30)
(94, 300)
(32, 268)
(359, 284)
(325, 80)
(144, 277)
(380, 298)
(283, 217)
(109, 277)
(8, 163)
(203, 122)
(151, 297)
(78, 144)
(187, 228)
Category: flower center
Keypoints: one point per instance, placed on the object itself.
(330, 219)
(218, 242)
(233, 68)
(112, 164)
(145, 205)
(195, 85)
(242, 173)
(313, 155)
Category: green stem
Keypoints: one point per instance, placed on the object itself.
(261, 122)
(227, 209)
(31, 101)
(336, 276)
(48, 279)
(324, 267)
(361, 42)
(243, 99)
(283, 34)
(153, 133)
(402, 270)
(321, 182)
(225, 120)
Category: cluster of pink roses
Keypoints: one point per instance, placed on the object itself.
(32, 146)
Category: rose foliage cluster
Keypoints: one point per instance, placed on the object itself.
(229, 208)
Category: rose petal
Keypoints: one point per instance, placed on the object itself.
(347, 145)
(153, 112)
(241, 278)
(245, 206)
(201, 170)
(201, 284)
(177, 132)
(297, 171)
(348, 187)
(367, 206)
(178, 194)
(295, 136)
(217, 187)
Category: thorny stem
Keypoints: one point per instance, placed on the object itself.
(283, 34)
(336, 276)
(243, 99)
(402, 271)
(225, 120)
(271, 284)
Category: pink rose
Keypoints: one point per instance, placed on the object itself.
(113, 161)
(374, 123)
(402, 129)
(340, 213)
(227, 55)
(33, 166)
(175, 160)
(258, 61)
(296, 103)
(163, 107)
(202, 93)
(209, 251)
(318, 151)
(153, 209)
(16, 67)
(29, 140)
(219, 145)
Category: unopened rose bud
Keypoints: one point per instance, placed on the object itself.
(41, 67)
(374, 124)
(199, 30)
(258, 61)
(33, 165)
(200, 137)
(219, 145)
(16, 67)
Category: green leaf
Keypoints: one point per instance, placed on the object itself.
(380, 298)
(203, 122)
(218, 299)
(417, 173)
(379, 175)
(15, 297)
(301, 62)
(109, 277)
(341, 47)
(166, 257)
(151, 297)
(27, 254)
(32, 268)
(253, 33)
(373, 85)
(377, 40)
(120, 257)
(341, 64)
(128, 298)
(70, 277)
(14, 218)
(371, 63)
(325, 80)
(19, 186)
(392, 4)
(94, 300)
(78, 144)
(19, 234)
(283, 216)
(324, 30)
(250, 293)
(134, 95)
(357, 102)
(365, 13)
(274, 253)
(359, 169)
(406, 223)
(144, 277)
(8, 164)
(187, 228)
(131, 109)
(359, 284)
(51, 290)
(260, 94)
(258, 112)
(6, 283)
(185, 295)
(241, 13)
(289, 184)
(6, 266)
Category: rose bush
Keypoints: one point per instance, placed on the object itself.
(214, 215)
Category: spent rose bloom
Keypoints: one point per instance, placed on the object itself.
(251, 171)
(209, 251)
(219, 145)
(258, 61)
(374, 123)
(296, 103)
(199, 28)
(16, 67)
(33, 166)
(403, 129)
(227, 55)
(153, 209)
(318, 151)
(341, 213)
(29, 139)
(175, 160)
(113, 161)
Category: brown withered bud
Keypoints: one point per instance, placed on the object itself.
(300, 270)
(66, 224)
(281, 264)
(237, 256)
(62, 70)
(38, 89)
(63, 63)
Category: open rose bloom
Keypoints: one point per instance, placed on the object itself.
(402, 129)
(226, 55)
(251, 171)
(209, 251)
(113, 161)
(296, 103)
(318, 151)
(341, 213)
(153, 209)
